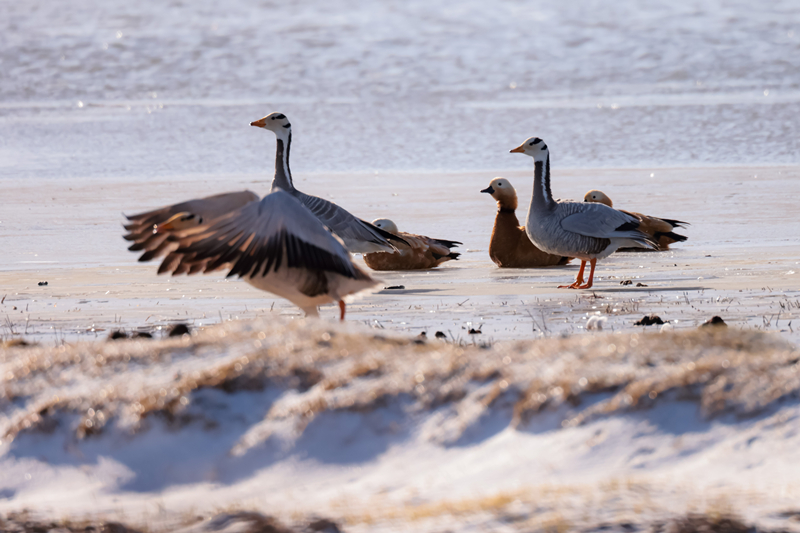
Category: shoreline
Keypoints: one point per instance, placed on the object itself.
(740, 262)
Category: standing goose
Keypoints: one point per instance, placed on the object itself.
(421, 252)
(358, 235)
(510, 246)
(659, 229)
(588, 231)
(275, 245)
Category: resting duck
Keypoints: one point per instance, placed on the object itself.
(660, 229)
(510, 246)
(588, 231)
(421, 252)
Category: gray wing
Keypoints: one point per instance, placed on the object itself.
(358, 235)
(141, 227)
(600, 221)
(257, 238)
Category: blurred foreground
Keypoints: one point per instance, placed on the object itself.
(376, 432)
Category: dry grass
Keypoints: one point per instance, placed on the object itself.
(242, 521)
(333, 369)
(246, 521)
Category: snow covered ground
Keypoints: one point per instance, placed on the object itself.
(377, 432)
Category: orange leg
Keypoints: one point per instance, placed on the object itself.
(578, 278)
(591, 276)
(341, 308)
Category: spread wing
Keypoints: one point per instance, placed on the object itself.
(358, 235)
(258, 238)
(141, 227)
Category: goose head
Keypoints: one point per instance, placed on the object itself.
(385, 224)
(502, 191)
(534, 147)
(274, 122)
(598, 197)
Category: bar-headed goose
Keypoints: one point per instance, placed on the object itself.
(421, 252)
(659, 229)
(276, 245)
(162, 232)
(510, 246)
(358, 235)
(587, 231)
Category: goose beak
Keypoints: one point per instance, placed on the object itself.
(261, 123)
(518, 150)
(488, 189)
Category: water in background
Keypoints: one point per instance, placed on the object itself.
(149, 88)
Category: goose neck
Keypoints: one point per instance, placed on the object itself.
(283, 175)
(542, 197)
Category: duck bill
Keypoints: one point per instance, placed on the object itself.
(518, 150)
(488, 189)
(261, 123)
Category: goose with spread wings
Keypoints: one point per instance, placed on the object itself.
(274, 244)
(588, 231)
(358, 235)
(184, 234)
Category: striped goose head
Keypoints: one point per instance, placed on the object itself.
(385, 224)
(275, 122)
(598, 197)
(534, 147)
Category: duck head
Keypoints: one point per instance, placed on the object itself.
(385, 224)
(598, 197)
(502, 191)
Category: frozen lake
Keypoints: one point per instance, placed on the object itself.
(151, 89)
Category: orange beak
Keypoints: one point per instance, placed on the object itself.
(518, 150)
(261, 123)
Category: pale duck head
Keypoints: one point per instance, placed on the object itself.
(502, 191)
(598, 197)
(385, 224)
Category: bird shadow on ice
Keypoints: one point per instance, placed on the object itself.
(407, 291)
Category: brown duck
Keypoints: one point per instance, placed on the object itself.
(660, 229)
(510, 246)
(420, 253)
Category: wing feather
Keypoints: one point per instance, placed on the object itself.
(358, 235)
(598, 221)
(265, 233)
(141, 229)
